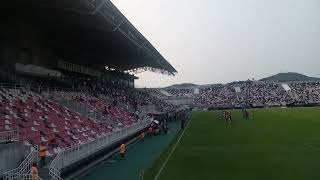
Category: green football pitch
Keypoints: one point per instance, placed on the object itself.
(275, 144)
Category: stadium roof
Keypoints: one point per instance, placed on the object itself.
(91, 32)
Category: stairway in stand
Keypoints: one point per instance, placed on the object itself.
(44, 173)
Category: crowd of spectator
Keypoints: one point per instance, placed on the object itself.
(216, 96)
(119, 93)
(252, 93)
(306, 92)
(181, 92)
(261, 94)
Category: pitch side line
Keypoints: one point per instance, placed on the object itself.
(173, 149)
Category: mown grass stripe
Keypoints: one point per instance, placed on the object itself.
(171, 152)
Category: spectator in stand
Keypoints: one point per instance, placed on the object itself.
(53, 143)
(34, 171)
(42, 154)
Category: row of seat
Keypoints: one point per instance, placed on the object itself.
(119, 114)
(41, 120)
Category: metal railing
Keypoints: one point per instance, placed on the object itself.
(8, 136)
(23, 171)
(35, 88)
(78, 152)
(27, 177)
(86, 110)
(7, 75)
(44, 90)
(55, 167)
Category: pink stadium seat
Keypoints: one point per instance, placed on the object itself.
(116, 113)
(43, 119)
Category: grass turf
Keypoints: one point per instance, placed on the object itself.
(275, 144)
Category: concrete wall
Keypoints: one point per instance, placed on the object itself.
(25, 43)
(178, 102)
(11, 155)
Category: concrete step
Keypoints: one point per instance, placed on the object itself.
(44, 173)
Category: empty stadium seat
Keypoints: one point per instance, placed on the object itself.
(116, 113)
(40, 119)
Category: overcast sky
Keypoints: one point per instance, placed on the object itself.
(219, 41)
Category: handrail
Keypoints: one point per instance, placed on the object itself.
(24, 169)
(89, 111)
(25, 177)
(54, 169)
(12, 135)
(39, 87)
(77, 152)
(28, 177)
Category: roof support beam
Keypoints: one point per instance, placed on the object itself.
(145, 44)
(118, 26)
(99, 7)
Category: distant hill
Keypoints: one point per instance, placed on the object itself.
(183, 85)
(290, 76)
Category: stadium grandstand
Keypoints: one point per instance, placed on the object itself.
(69, 107)
(252, 94)
(67, 85)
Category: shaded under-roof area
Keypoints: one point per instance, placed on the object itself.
(90, 32)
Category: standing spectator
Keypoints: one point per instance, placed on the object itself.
(122, 150)
(34, 172)
(42, 154)
(53, 143)
(142, 136)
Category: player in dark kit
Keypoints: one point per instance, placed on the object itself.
(227, 117)
(243, 113)
(246, 115)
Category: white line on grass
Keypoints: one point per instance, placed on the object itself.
(310, 146)
(173, 149)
